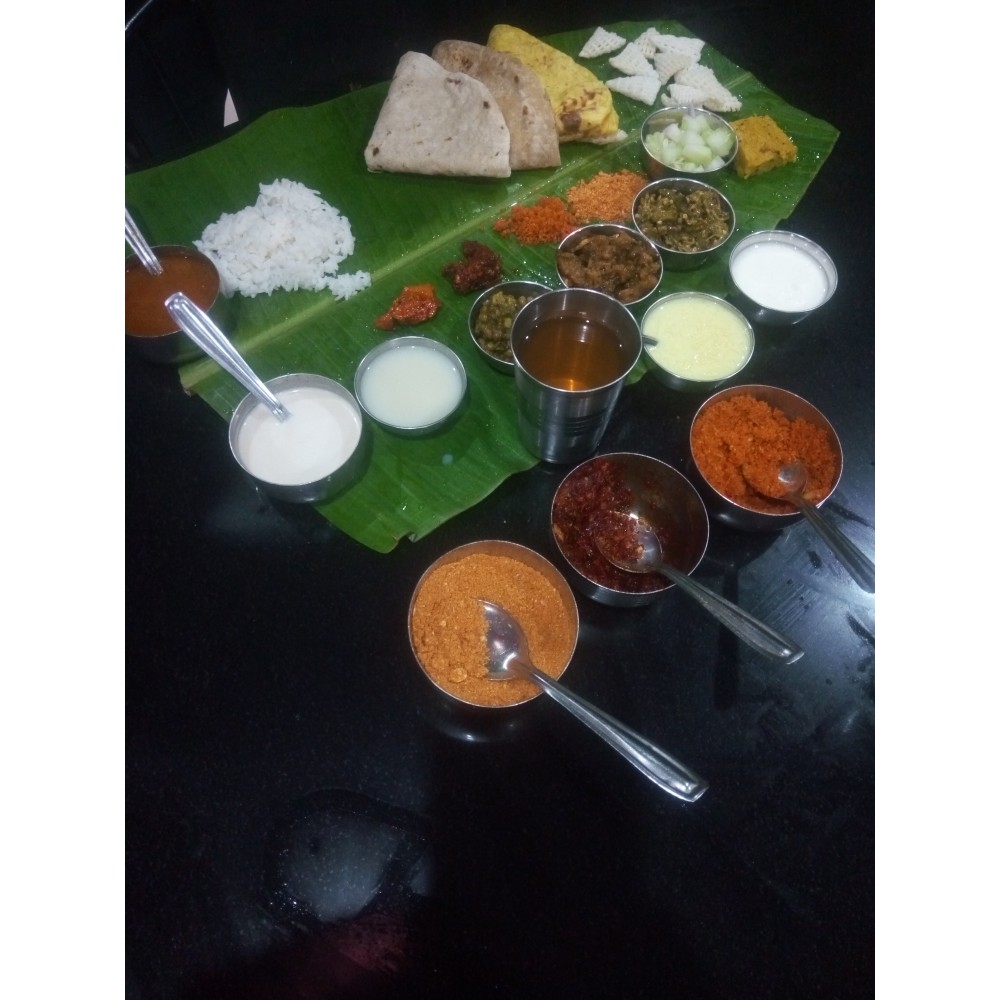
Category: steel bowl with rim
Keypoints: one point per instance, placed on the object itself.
(657, 228)
(517, 289)
(592, 498)
(738, 513)
(435, 648)
(150, 331)
(625, 245)
(695, 351)
(301, 463)
(663, 119)
(411, 385)
(778, 278)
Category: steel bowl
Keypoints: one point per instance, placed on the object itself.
(515, 288)
(659, 120)
(422, 390)
(520, 691)
(149, 329)
(674, 259)
(341, 455)
(667, 499)
(700, 340)
(808, 281)
(738, 515)
(578, 237)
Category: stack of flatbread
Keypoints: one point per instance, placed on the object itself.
(468, 111)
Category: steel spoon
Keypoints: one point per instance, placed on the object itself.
(648, 558)
(199, 326)
(508, 657)
(142, 249)
(853, 559)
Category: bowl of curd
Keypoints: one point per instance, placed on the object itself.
(310, 455)
(779, 278)
(694, 341)
(411, 385)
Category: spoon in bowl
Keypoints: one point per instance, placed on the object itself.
(199, 326)
(642, 553)
(508, 658)
(142, 249)
(793, 478)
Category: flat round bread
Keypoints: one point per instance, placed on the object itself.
(523, 101)
(434, 121)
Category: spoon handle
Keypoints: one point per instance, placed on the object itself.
(198, 325)
(741, 623)
(135, 239)
(853, 559)
(662, 769)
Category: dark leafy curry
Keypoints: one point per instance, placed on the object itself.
(688, 221)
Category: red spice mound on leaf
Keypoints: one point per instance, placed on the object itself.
(414, 304)
(547, 221)
(480, 267)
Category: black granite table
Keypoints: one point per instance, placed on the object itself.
(305, 818)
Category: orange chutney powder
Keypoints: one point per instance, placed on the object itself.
(547, 221)
(448, 626)
(741, 442)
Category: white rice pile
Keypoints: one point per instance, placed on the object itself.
(289, 239)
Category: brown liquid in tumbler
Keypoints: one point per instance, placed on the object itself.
(574, 353)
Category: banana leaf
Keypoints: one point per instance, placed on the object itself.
(406, 228)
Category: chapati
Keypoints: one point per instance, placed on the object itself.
(534, 140)
(436, 121)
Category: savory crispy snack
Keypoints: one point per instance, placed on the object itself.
(438, 122)
(534, 141)
(581, 103)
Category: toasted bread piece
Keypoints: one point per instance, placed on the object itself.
(762, 145)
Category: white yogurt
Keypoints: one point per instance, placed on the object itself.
(780, 275)
(698, 337)
(410, 386)
(318, 436)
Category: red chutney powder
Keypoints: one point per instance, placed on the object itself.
(741, 442)
(547, 221)
(592, 504)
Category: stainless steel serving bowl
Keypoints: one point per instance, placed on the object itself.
(739, 515)
(416, 385)
(528, 558)
(669, 501)
(575, 239)
(350, 454)
(682, 260)
(685, 383)
(515, 288)
(788, 298)
(664, 117)
(146, 332)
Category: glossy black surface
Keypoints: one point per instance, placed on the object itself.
(305, 818)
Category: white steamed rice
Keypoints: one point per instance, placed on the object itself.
(289, 239)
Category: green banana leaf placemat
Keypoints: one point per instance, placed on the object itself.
(406, 228)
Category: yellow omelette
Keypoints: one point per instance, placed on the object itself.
(582, 104)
